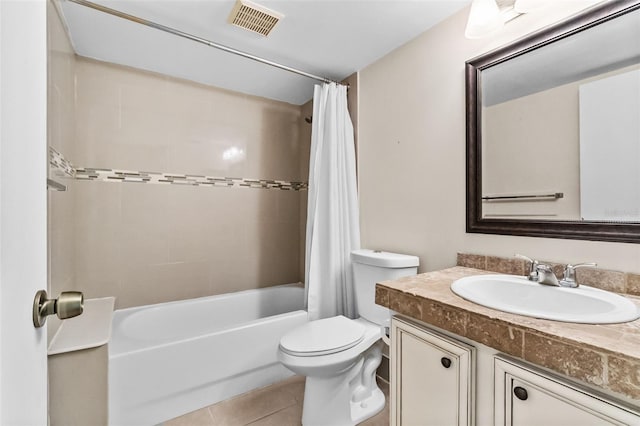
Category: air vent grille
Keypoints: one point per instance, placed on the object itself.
(254, 17)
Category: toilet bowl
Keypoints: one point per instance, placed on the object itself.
(339, 356)
(340, 388)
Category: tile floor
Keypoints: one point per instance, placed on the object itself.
(277, 405)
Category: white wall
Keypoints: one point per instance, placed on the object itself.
(412, 153)
(531, 146)
(609, 174)
(546, 129)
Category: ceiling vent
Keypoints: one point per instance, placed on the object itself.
(254, 17)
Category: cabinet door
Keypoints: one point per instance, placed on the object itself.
(526, 397)
(431, 377)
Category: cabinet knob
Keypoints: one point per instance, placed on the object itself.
(446, 362)
(520, 393)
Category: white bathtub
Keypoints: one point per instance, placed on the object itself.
(169, 359)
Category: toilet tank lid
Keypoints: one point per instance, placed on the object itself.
(384, 259)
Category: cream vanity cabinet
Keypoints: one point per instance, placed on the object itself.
(432, 377)
(524, 396)
(438, 380)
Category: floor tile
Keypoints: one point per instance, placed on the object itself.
(295, 387)
(200, 417)
(290, 416)
(277, 405)
(383, 417)
(380, 419)
(251, 406)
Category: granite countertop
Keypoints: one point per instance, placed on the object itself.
(605, 356)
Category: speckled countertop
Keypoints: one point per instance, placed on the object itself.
(604, 356)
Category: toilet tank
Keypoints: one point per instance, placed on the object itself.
(371, 267)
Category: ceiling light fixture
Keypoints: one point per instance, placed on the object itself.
(526, 6)
(484, 19)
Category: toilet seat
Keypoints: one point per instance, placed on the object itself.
(323, 337)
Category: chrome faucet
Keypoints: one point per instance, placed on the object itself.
(569, 278)
(546, 275)
(543, 274)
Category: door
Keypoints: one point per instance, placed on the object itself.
(431, 377)
(23, 210)
(525, 396)
(540, 407)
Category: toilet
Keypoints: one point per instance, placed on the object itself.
(339, 356)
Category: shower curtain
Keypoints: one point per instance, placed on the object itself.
(332, 212)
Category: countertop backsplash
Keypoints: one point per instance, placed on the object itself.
(605, 279)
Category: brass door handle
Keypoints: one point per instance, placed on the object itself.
(68, 305)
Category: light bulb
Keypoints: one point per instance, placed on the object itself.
(526, 6)
(484, 19)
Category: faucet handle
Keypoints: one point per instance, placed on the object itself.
(569, 278)
(533, 272)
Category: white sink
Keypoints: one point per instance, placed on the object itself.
(518, 295)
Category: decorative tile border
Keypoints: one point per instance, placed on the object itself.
(58, 162)
(113, 175)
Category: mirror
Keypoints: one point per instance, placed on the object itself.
(553, 130)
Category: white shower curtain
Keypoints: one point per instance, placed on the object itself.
(333, 230)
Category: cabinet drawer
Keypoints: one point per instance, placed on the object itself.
(431, 377)
(525, 396)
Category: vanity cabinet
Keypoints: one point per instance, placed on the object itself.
(431, 377)
(524, 396)
(440, 379)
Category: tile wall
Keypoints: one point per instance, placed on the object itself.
(305, 134)
(60, 137)
(77, 380)
(239, 228)
(154, 243)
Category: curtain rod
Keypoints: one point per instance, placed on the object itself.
(191, 37)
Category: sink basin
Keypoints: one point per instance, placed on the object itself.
(518, 295)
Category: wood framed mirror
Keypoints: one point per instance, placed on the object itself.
(553, 130)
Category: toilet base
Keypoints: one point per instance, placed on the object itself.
(361, 411)
(347, 398)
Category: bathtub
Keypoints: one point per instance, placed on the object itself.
(169, 359)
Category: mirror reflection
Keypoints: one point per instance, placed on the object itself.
(560, 129)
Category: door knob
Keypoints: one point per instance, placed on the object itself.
(68, 305)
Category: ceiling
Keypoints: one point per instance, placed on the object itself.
(330, 38)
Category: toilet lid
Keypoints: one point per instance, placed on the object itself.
(323, 337)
